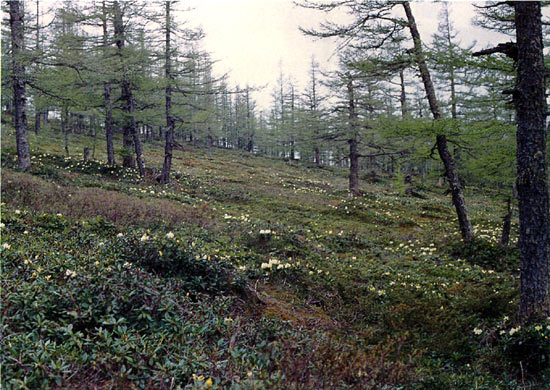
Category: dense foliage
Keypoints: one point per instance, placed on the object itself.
(278, 280)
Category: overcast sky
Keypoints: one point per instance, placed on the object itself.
(251, 39)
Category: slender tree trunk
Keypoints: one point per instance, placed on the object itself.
(169, 145)
(135, 136)
(453, 93)
(507, 225)
(20, 116)
(353, 167)
(532, 177)
(403, 95)
(316, 156)
(450, 169)
(109, 124)
(107, 98)
(37, 113)
(353, 152)
(127, 137)
(65, 128)
(452, 78)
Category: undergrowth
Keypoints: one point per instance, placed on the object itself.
(249, 273)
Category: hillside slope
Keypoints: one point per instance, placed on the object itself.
(249, 273)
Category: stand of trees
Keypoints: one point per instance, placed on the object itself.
(127, 70)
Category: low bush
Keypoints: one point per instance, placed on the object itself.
(24, 190)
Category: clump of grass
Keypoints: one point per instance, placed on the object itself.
(24, 190)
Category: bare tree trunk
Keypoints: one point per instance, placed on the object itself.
(532, 177)
(249, 131)
(403, 95)
(448, 161)
(507, 225)
(109, 124)
(169, 145)
(107, 99)
(135, 138)
(65, 128)
(316, 156)
(20, 116)
(353, 152)
(353, 167)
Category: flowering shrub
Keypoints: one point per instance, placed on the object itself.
(250, 274)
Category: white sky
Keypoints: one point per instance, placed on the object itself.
(251, 38)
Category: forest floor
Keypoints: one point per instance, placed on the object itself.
(248, 272)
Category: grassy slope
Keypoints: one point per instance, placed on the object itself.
(339, 293)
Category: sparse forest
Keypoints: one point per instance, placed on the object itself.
(385, 225)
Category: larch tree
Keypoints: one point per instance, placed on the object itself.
(532, 175)
(441, 139)
(374, 26)
(130, 135)
(529, 100)
(107, 85)
(169, 134)
(313, 112)
(36, 97)
(19, 84)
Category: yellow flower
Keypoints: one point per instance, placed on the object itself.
(209, 382)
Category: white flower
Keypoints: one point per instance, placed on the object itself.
(514, 330)
(2, 225)
(101, 243)
(266, 231)
(17, 211)
(6, 245)
(120, 235)
(59, 214)
(144, 238)
(265, 265)
(70, 273)
(478, 331)
(170, 235)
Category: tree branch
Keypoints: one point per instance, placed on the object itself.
(508, 48)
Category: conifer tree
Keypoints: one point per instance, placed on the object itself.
(19, 84)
